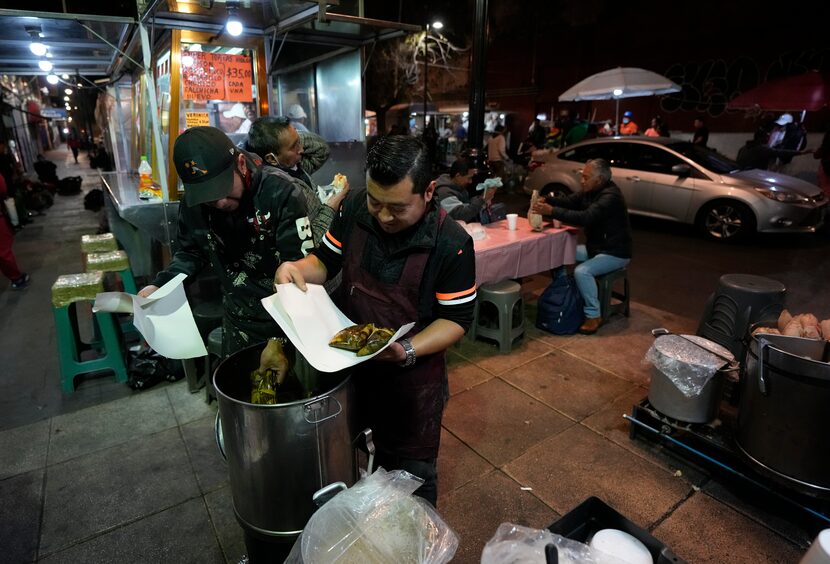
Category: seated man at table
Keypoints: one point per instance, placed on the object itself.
(402, 261)
(601, 211)
(451, 191)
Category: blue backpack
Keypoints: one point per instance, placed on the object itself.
(560, 306)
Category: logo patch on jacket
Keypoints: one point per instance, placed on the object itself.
(260, 221)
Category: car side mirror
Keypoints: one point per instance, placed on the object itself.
(682, 170)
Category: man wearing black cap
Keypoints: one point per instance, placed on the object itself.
(241, 221)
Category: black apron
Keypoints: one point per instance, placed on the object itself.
(403, 406)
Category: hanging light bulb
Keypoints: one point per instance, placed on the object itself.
(66, 98)
(68, 91)
(37, 48)
(65, 76)
(52, 79)
(44, 65)
(234, 24)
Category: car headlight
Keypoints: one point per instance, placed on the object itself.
(782, 195)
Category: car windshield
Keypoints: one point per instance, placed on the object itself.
(706, 158)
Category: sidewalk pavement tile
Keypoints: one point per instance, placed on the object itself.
(476, 510)
(210, 468)
(22, 497)
(465, 375)
(458, 463)
(500, 422)
(617, 349)
(523, 351)
(189, 406)
(572, 466)
(704, 530)
(567, 383)
(180, 534)
(23, 448)
(105, 489)
(226, 527)
(108, 424)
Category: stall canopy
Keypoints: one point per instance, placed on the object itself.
(809, 91)
(618, 83)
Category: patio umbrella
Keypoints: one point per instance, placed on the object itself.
(621, 82)
(809, 91)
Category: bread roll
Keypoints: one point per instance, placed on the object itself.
(824, 327)
(793, 328)
(783, 319)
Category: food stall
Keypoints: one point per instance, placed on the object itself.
(194, 72)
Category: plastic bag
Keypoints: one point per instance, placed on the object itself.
(688, 365)
(377, 520)
(514, 544)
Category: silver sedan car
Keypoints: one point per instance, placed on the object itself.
(675, 180)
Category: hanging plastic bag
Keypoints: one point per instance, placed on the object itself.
(377, 520)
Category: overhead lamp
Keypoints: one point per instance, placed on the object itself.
(234, 25)
(52, 79)
(65, 76)
(437, 25)
(48, 55)
(79, 85)
(44, 90)
(66, 98)
(618, 91)
(38, 49)
(68, 91)
(70, 119)
(44, 65)
(66, 130)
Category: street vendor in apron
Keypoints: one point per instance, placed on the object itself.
(243, 222)
(402, 260)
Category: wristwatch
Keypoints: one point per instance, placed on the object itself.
(410, 352)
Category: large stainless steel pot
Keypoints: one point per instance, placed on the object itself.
(280, 455)
(784, 413)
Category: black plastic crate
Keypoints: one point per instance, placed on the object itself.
(593, 514)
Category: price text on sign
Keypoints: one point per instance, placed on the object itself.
(214, 76)
(193, 119)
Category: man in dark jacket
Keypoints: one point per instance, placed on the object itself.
(243, 222)
(451, 191)
(600, 209)
(402, 261)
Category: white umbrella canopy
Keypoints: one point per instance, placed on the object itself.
(617, 83)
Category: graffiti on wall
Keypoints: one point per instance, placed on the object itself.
(709, 86)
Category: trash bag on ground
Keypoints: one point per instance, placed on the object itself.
(376, 521)
(148, 368)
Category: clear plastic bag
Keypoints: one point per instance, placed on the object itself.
(377, 520)
(689, 365)
(514, 544)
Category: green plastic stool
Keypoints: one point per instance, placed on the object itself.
(505, 298)
(113, 261)
(66, 292)
(611, 302)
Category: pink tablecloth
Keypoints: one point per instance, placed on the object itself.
(511, 254)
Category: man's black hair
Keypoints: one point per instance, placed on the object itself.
(264, 135)
(459, 166)
(394, 157)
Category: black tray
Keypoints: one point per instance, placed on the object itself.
(593, 514)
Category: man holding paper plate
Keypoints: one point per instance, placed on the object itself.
(402, 260)
(241, 221)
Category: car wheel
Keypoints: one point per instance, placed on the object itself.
(726, 220)
(558, 190)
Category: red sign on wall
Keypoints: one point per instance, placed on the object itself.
(214, 76)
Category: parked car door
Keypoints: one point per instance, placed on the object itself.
(670, 191)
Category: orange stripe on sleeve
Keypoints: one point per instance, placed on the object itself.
(334, 241)
(455, 294)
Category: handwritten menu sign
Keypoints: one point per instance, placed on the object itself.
(214, 76)
(192, 119)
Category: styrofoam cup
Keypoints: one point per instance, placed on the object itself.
(512, 221)
(819, 552)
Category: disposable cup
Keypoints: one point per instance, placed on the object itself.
(512, 221)
(819, 552)
(557, 224)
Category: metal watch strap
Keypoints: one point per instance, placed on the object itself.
(410, 352)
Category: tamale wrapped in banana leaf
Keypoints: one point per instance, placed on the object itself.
(376, 341)
(352, 338)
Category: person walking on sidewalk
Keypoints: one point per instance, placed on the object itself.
(600, 209)
(8, 262)
(74, 145)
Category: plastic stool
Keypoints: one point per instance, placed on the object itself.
(607, 295)
(214, 348)
(66, 291)
(113, 261)
(506, 296)
(739, 301)
(103, 243)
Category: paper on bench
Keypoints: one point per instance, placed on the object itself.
(310, 319)
(164, 319)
